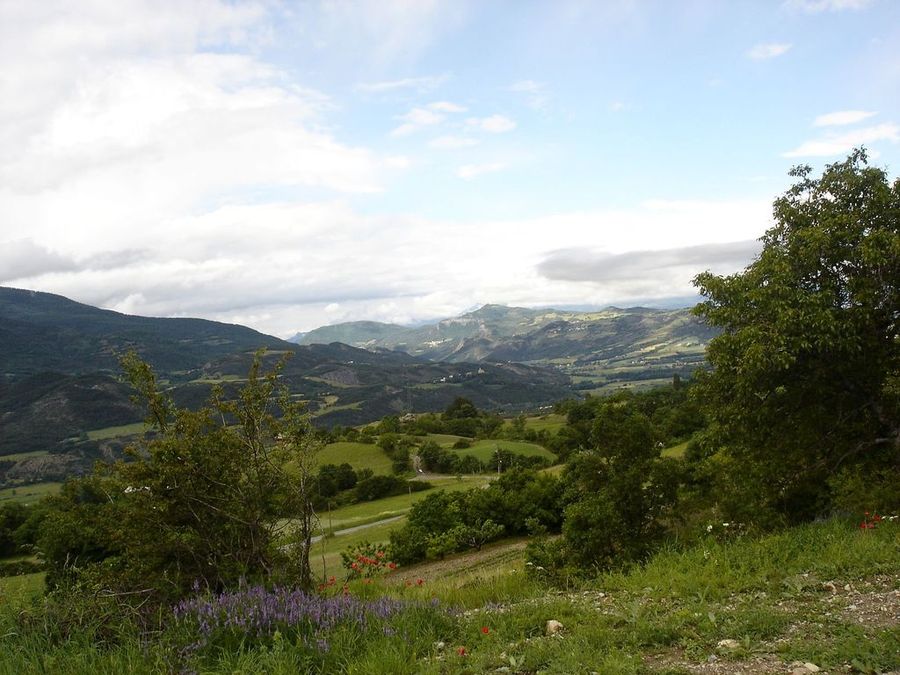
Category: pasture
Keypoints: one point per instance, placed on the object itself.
(28, 494)
(357, 455)
(484, 450)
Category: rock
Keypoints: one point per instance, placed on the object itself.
(553, 627)
(728, 644)
(811, 667)
(712, 658)
(847, 587)
(830, 587)
(439, 646)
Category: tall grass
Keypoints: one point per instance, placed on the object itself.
(766, 593)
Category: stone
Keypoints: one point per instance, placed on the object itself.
(728, 644)
(830, 587)
(553, 627)
(811, 667)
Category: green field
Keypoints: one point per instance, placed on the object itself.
(357, 455)
(555, 470)
(325, 557)
(550, 423)
(367, 512)
(484, 450)
(445, 440)
(114, 432)
(19, 456)
(20, 589)
(372, 512)
(676, 451)
(27, 494)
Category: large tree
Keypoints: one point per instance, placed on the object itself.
(804, 385)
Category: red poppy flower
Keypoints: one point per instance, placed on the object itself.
(461, 651)
(485, 630)
(419, 582)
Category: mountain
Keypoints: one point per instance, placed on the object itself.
(62, 404)
(42, 332)
(597, 348)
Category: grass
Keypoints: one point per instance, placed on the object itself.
(550, 423)
(780, 597)
(28, 494)
(18, 456)
(325, 558)
(357, 455)
(115, 432)
(445, 440)
(367, 512)
(484, 450)
(17, 591)
(676, 451)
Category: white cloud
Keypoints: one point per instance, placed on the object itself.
(278, 267)
(842, 117)
(768, 50)
(452, 142)
(397, 162)
(817, 6)
(470, 171)
(154, 162)
(535, 92)
(527, 86)
(495, 124)
(840, 144)
(415, 120)
(422, 84)
(446, 106)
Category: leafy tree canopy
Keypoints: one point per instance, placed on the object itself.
(805, 372)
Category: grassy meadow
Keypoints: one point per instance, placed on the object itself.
(484, 450)
(826, 594)
(28, 494)
(357, 455)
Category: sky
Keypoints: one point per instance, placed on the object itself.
(286, 165)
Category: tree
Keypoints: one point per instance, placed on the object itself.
(199, 503)
(461, 408)
(806, 372)
(621, 494)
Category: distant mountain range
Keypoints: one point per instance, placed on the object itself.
(632, 339)
(63, 405)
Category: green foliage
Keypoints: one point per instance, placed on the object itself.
(518, 501)
(461, 408)
(12, 517)
(620, 496)
(210, 487)
(378, 487)
(806, 378)
(365, 560)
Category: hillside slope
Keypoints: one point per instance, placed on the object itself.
(45, 332)
(63, 404)
(612, 347)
